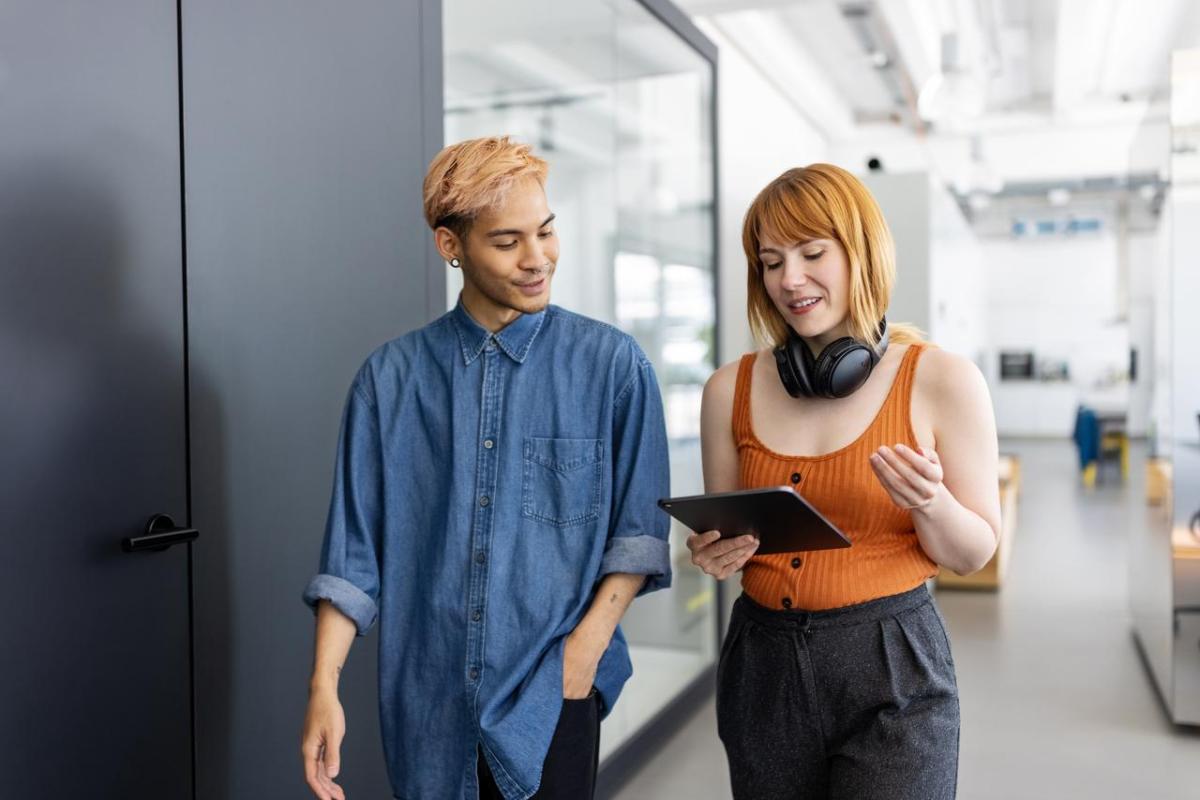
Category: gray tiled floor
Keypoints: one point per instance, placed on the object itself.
(1055, 701)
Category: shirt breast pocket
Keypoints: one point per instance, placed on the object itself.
(562, 480)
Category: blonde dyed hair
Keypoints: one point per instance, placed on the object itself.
(472, 176)
(822, 201)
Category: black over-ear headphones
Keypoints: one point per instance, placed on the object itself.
(838, 371)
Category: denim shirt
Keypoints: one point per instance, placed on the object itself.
(484, 484)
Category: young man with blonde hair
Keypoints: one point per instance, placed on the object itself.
(494, 509)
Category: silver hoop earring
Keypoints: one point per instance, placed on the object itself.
(454, 262)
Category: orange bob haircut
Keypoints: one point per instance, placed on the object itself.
(822, 201)
(474, 175)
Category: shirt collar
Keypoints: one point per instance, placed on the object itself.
(515, 339)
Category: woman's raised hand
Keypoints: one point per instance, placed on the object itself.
(912, 479)
(720, 557)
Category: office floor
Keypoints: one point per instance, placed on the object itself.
(1055, 701)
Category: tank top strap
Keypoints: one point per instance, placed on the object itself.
(901, 398)
(742, 428)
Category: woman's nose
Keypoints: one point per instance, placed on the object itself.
(794, 275)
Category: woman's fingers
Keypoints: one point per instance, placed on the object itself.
(899, 489)
(922, 463)
(698, 541)
(737, 564)
(717, 547)
(901, 467)
(714, 555)
(737, 555)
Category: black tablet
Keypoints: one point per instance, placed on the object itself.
(783, 520)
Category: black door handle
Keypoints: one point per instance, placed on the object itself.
(161, 533)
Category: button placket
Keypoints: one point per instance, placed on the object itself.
(485, 485)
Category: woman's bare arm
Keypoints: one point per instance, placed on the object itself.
(953, 490)
(715, 556)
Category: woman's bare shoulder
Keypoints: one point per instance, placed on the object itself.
(946, 381)
(722, 384)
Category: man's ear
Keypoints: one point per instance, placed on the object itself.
(448, 244)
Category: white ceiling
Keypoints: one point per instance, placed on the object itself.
(1020, 59)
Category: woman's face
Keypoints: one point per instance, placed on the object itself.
(809, 283)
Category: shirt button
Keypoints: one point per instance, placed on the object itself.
(488, 444)
(483, 501)
(787, 602)
(476, 615)
(795, 477)
(796, 562)
(491, 346)
(474, 673)
(480, 557)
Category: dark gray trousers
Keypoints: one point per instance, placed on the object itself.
(848, 704)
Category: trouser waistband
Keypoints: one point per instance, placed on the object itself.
(869, 611)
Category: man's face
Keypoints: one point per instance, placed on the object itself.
(511, 251)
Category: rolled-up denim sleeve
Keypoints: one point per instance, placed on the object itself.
(637, 536)
(348, 574)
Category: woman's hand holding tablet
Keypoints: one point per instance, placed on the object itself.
(733, 526)
(720, 557)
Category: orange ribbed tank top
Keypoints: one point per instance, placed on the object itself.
(885, 557)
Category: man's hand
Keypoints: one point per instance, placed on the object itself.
(325, 722)
(586, 644)
(581, 657)
(321, 743)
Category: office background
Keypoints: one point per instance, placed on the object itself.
(210, 212)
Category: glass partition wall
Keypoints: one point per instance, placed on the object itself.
(622, 107)
(1164, 549)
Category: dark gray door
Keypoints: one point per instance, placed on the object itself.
(308, 127)
(94, 642)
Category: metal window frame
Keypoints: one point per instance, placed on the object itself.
(643, 744)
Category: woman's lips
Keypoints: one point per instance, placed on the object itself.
(804, 309)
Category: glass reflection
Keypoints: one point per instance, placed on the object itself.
(622, 109)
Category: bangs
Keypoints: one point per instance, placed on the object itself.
(789, 212)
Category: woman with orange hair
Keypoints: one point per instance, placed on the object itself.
(836, 678)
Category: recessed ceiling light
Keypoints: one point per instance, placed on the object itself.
(1058, 197)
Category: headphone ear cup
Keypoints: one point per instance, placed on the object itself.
(794, 362)
(844, 366)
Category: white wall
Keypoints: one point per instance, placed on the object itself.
(905, 202)
(1057, 298)
(957, 272)
(939, 264)
(760, 136)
